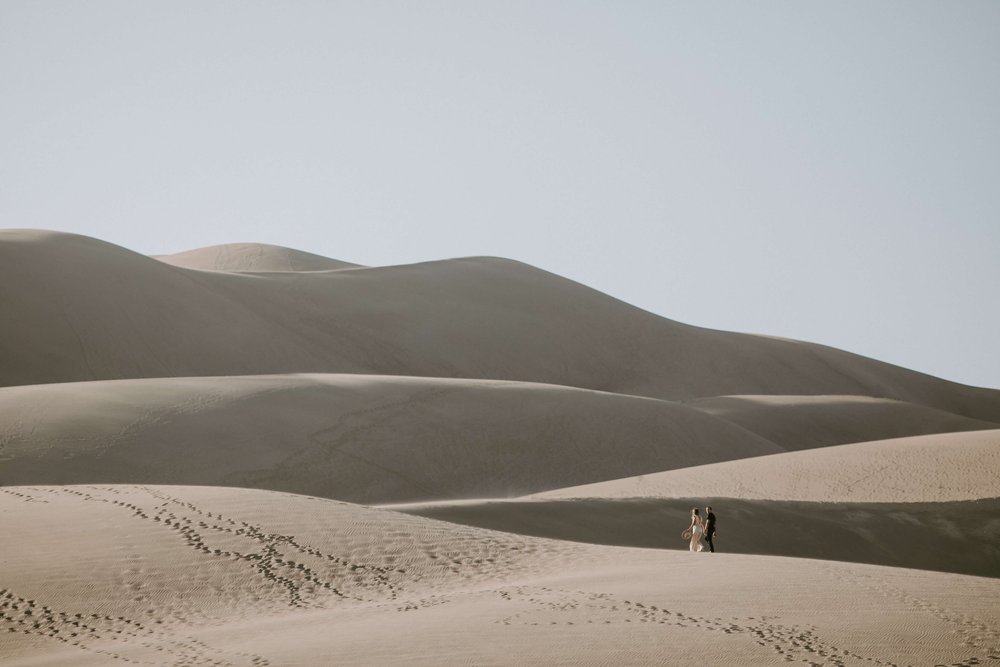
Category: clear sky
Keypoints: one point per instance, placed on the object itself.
(823, 171)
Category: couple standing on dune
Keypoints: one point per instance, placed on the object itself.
(700, 528)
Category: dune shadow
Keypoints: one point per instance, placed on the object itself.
(961, 537)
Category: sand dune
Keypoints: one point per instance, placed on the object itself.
(249, 365)
(930, 468)
(252, 257)
(80, 309)
(351, 437)
(804, 422)
(181, 575)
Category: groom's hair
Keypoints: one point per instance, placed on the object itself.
(708, 509)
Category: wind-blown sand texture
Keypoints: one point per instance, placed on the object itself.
(448, 385)
(182, 575)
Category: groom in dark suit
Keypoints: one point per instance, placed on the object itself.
(710, 528)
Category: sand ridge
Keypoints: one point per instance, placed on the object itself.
(931, 468)
(372, 439)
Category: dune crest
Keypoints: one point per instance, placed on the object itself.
(252, 257)
(931, 468)
(372, 439)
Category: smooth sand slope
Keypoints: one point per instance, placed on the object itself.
(804, 422)
(359, 438)
(181, 575)
(81, 309)
(930, 468)
(253, 257)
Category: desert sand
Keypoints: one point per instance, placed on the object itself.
(253, 455)
(189, 575)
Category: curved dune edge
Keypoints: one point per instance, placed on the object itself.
(806, 422)
(930, 468)
(80, 309)
(188, 575)
(252, 257)
(369, 439)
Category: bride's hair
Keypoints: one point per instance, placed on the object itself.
(694, 511)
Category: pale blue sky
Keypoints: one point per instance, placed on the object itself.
(822, 171)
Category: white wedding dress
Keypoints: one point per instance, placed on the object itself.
(696, 533)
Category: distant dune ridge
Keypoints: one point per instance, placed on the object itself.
(253, 257)
(459, 398)
(82, 309)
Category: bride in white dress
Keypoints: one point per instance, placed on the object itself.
(697, 530)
